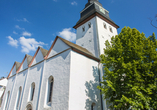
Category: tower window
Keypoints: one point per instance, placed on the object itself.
(105, 26)
(89, 25)
(83, 28)
(110, 29)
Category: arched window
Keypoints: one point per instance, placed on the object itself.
(32, 91)
(49, 90)
(89, 25)
(93, 106)
(83, 28)
(110, 29)
(18, 98)
(7, 100)
(105, 25)
(29, 107)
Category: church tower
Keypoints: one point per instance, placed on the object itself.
(94, 27)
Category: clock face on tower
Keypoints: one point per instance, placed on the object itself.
(102, 9)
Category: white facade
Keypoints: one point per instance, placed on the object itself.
(3, 84)
(93, 38)
(66, 76)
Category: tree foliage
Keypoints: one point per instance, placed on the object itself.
(130, 71)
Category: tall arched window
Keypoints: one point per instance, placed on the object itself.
(18, 98)
(32, 91)
(7, 100)
(93, 106)
(50, 89)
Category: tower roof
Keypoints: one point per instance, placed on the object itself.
(94, 8)
(92, 1)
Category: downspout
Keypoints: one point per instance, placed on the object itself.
(100, 85)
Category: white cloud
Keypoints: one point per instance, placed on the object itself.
(73, 3)
(24, 20)
(51, 42)
(15, 32)
(12, 42)
(18, 27)
(55, 0)
(29, 44)
(68, 34)
(26, 34)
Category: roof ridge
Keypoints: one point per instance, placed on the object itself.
(73, 45)
(43, 51)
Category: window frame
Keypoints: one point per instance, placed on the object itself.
(89, 25)
(104, 24)
(49, 91)
(83, 29)
(110, 28)
(32, 91)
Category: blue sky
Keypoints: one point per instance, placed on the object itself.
(27, 24)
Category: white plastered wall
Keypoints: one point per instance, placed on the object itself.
(3, 83)
(58, 47)
(38, 58)
(84, 79)
(13, 71)
(20, 78)
(104, 34)
(59, 68)
(9, 87)
(24, 65)
(88, 38)
(34, 75)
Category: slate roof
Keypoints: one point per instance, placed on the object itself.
(17, 64)
(43, 51)
(76, 47)
(29, 59)
(91, 9)
(79, 48)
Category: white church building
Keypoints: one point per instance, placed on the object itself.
(66, 76)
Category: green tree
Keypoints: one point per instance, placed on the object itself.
(130, 71)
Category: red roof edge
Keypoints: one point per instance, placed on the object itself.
(51, 47)
(22, 63)
(11, 70)
(34, 57)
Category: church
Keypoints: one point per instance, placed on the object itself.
(66, 76)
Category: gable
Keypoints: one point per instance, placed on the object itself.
(24, 65)
(58, 47)
(38, 57)
(13, 71)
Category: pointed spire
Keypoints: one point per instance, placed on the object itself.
(92, 1)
